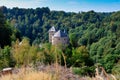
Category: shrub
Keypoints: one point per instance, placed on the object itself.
(84, 71)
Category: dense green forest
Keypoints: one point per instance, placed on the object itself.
(94, 37)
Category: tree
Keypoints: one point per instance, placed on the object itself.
(73, 39)
(20, 51)
(6, 58)
(5, 32)
(80, 57)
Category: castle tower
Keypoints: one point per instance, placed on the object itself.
(60, 39)
(52, 31)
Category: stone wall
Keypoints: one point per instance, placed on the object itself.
(60, 41)
(51, 33)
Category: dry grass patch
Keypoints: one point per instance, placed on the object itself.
(28, 75)
(50, 72)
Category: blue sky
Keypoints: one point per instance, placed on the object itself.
(66, 5)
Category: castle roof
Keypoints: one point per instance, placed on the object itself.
(52, 29)
(60, 34)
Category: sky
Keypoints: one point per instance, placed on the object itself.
(66, 5)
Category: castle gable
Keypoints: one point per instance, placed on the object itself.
(52, 29)
(60, 34)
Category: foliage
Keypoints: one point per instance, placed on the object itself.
(88, 71)
(116, 69)
(6, 58)
(94, 37)
(80, 57)
(7, 32)
(24, 53)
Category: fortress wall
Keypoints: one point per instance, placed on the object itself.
(50, 36)
(60, 41)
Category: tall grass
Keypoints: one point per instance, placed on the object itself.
(58, 74)
(28, 75)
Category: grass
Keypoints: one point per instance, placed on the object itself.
(31, 74)
(28, 75)
(51, 72)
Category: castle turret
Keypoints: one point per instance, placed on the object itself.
(60, 38)
(52, 31)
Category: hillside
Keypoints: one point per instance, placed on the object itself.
(94, 36)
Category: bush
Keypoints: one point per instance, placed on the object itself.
(84, 71)
(6, 59)
(116, 69)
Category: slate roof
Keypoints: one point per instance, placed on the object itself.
(52, 29)
(60, 34)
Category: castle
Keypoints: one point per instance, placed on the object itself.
(58, 38)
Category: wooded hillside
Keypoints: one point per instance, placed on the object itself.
(95, 32)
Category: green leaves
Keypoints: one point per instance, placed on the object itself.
(93, 35)
(6, 58)
(80, 57)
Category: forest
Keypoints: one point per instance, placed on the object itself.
(94, 38)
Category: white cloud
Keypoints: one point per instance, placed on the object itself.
(22, 3)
